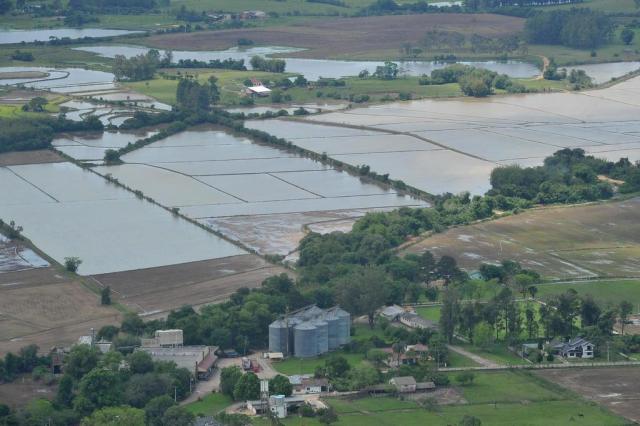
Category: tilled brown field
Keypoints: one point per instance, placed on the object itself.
(329, 38)
(29, 157)
(559, 243)
(155, 291)
(43, 307)
(618, 389)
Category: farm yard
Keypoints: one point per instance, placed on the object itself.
(566, 242)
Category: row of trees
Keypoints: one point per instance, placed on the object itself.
(25, 133)
(139, 67)
(259, 63)
(579, 28)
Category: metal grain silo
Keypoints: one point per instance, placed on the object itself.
(322, 331)
(278, 332)
(305, 340)
(333, 323)
(344, 326)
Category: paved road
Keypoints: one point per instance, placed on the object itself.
(205, 387)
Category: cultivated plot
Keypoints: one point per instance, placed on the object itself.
(67, 211)
(14, 256)
(559, 243)
(260, 196)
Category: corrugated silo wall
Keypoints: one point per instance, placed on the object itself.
(305, 340)
(322, 336)
(333, 323)
(344, 328)
(278, 337)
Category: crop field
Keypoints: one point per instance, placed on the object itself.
(618, 389)
(44, 307)
(65, 210)
(154, 291)
(351, 38)
(559, 243)
(453, 145)
(606, 292)
(258, 195)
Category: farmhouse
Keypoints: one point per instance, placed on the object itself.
(258, 90)
(575, 348)
(406, 384)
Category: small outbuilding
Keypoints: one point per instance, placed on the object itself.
(259, 90)
(405, 384)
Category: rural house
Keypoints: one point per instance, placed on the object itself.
(575, 348)
(406, 384)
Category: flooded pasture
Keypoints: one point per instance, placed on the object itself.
(92, 146)
(14, 256)
(313, 69)
(67, 211)
(452, 145)
(258, 195)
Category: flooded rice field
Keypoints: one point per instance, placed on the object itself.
(62, 80)
(258, 195)
(29, 36)
(452, 145)
(14, 257)
(67, 211)
(92, 146)
(313, 69)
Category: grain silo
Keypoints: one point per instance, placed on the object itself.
(344, 326)
(278, 336)
(333, 323)
(305, 340)
(322, 338)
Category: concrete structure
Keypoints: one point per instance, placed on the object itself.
(310, 331)
(199, 360)
(413, 320)
(278, 404)
(575, 348)
(258, 91)
(165, 339)
(406, 384)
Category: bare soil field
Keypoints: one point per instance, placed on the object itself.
(618, 389)
(155, 291)
(558, 242)
(24, 389)
(328, 38)
(29, 157)
(43, 307)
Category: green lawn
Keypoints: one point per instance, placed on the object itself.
(210, 405)
(507, 386)
(429, 312)
(497, 353)
(293, 366)
(606, 292)
(53, 56)
(457, 360)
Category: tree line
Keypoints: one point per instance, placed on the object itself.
(579, 28)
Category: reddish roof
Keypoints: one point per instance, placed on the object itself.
(207, 362)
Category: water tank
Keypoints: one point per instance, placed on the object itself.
(322, 330)
(278, 336)
(305, 340)
(332, 321)
(344, 326)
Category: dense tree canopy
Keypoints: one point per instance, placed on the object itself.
(579, 28)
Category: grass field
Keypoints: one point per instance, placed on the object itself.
(497, 353)
(606, 292)
(559, 242)
(499, 398)
(292, 366)
(210, 405)
(53, 56)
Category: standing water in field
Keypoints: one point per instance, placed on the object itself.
(30, 36)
